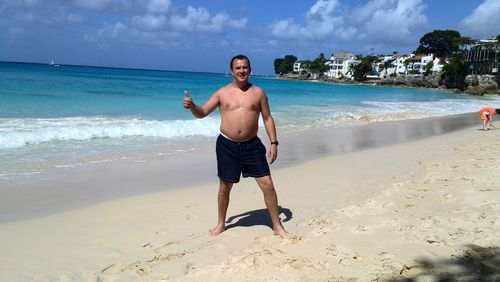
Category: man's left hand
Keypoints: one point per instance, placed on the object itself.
(272, 154)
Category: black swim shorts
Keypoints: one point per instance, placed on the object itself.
(236, 158)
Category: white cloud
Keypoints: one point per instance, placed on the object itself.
(381, 21)
(389, 21)
(199, 20)
(112, 31)
(149, 22)
(99, 5)
(321, 22)
(484, 22)
(158, 6)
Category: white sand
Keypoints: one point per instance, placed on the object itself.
(375, 214)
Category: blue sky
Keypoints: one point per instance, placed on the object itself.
(196, 35)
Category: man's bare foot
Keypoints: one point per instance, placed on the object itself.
(217, 230)
(280, 231)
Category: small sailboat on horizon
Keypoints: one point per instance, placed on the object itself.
(53, 64)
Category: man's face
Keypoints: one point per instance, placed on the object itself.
(240, 70)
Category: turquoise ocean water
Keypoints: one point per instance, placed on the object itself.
(70, 117)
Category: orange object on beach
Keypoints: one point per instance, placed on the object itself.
(484, 112)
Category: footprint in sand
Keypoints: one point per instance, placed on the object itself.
(459, 233)
(253, 259)
(467, 179)
(168, 244)
(292, 240)
(300, 263)
(346, 256)
(350, 260)
(413, 196)
(139, 267)
(384, 256)
(351, 211)
(371, 204)
(321, 226)
(332, 251)
(362, 229)
(206, 245)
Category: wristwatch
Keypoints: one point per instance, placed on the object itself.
(275, 143)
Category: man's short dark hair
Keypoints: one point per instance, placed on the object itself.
(496, 110)
(239, 57)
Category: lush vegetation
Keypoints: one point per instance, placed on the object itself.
(441, 43)
(454, 72)
(364, 68)
(284, 65)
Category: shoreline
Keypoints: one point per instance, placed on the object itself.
(411, 83)
(149, 174)
(410, 210)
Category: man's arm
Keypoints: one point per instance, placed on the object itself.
(272, 154)
(206, 109)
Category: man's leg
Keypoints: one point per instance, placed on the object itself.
(222, 204)
(271, 199)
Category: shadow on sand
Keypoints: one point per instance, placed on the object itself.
(475, 263)
(256, 217)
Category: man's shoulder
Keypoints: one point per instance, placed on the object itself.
(223, 89)
(257, 89)
(227, 87)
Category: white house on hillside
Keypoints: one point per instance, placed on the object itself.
(340, 64)
(298, 66)
(392, 65)
(412, 64)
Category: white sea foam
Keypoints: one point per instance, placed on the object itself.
(17, 133)
(374, 111)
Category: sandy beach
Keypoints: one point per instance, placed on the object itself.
(422, 209)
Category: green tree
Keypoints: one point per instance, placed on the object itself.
(454, 72)
(289, 61)
(441, 43)
(428, 68)
(306, 66)
(364, 68)
(465, 40)
(284, 65)
(279, 66)
(318, 65)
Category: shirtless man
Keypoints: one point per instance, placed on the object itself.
(239, 150)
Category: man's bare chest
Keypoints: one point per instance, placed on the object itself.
(240, 102)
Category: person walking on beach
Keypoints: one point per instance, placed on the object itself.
(239, 150)
(487, 114)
